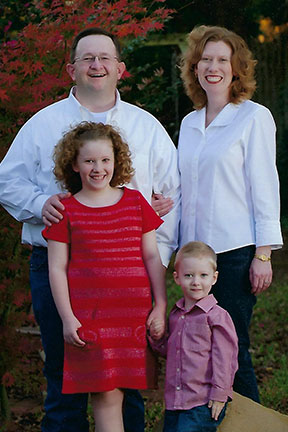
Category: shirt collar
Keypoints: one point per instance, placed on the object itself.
(225, 117)
(85, 112)
(205, 304)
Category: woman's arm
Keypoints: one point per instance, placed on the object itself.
(58, 255)
(156, 272)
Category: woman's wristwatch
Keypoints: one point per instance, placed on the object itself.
(262, 257)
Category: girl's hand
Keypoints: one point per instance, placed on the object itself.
(216, 408)
(156, 323)
(70, 327)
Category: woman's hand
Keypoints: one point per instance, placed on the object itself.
(70, 327)
(260, 272)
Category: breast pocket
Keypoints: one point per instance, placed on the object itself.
(198, 337)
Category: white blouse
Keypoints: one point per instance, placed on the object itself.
(229, 181)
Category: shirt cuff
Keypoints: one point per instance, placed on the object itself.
(38, 204)
(220, 394)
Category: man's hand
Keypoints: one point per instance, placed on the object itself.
(50, 213)
(161, 205)
(216, 408)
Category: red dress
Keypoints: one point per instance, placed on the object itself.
(110, 293)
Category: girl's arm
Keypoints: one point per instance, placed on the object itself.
(156, 272)
(58, 255)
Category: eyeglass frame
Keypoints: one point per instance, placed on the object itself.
(90, 59)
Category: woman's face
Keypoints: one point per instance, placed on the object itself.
(214, 69)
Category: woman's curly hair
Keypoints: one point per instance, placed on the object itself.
(67, 150)
(243, 65)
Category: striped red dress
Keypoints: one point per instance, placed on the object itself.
(110, 293)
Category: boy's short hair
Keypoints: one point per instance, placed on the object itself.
(196, 249)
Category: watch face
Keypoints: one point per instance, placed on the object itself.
(263, 257)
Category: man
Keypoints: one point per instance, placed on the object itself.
(29, 192)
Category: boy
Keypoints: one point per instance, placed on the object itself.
(200, 345)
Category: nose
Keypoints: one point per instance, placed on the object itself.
(195, 281)
(96, 166)
(96, 63)
(213, 65)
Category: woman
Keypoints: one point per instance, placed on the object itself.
(230, 189)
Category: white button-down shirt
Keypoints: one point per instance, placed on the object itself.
(229, 182)
(26, 179)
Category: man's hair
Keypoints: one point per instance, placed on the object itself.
(94, 31)
(243, 65)
(67, 150)
(196, 249)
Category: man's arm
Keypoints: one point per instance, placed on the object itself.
(167, 182)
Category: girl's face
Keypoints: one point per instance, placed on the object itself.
(214, 69)
(95, 164)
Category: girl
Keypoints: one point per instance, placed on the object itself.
(103, 257)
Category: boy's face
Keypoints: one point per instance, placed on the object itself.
(196, 277)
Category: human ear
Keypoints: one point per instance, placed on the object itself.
(215, 277)
(70, 68)
(75, 167)
(176, 278)
(121, 67)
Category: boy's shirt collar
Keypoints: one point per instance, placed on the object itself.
(205, 304)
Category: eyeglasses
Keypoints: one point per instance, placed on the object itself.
(90, 59)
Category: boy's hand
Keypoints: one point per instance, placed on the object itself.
(216, 408)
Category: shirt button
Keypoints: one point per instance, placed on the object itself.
(178, 388)
(179, 333)
(183, 316)
(178, 369)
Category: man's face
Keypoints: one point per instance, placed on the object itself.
(96, 67)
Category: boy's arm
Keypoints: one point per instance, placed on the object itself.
(156, 272)
(58, 254)
(224, 354)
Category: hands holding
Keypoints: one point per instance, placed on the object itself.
(50, 210)
(216, 408)
(156, 323)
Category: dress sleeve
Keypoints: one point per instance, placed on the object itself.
(59, 231)
(150, 219)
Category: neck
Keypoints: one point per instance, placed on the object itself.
(100, 198)
(214, 106)
(96, 102)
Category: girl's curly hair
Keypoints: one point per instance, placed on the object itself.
(67, 150)
(243, 65)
